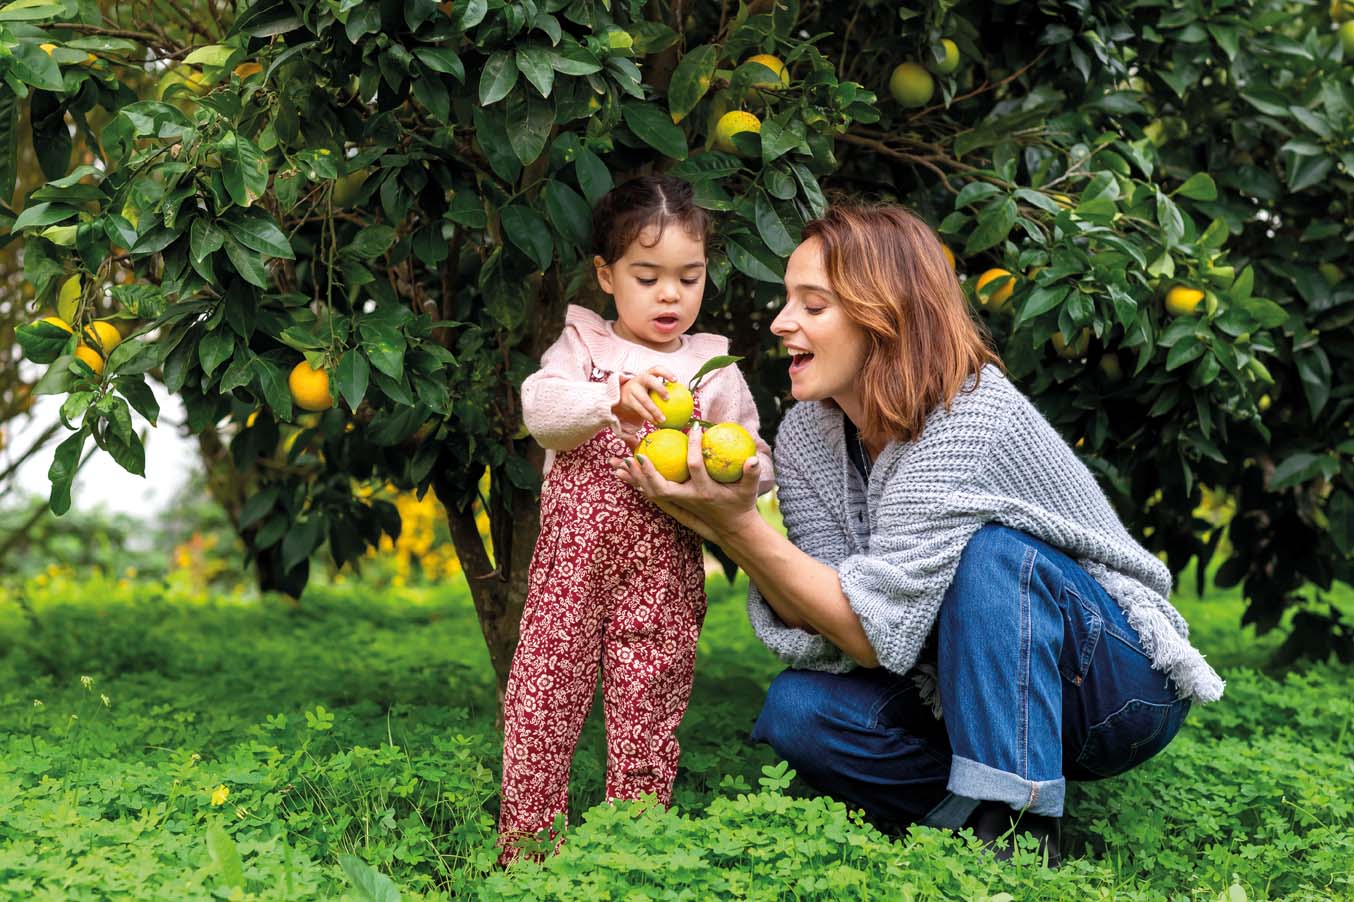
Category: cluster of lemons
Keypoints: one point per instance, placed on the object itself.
(97, 340)
(725, 447)
(911, 83)
(739, 121)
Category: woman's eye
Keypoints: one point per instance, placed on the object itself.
(813, 311)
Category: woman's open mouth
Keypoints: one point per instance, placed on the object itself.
(799, 361)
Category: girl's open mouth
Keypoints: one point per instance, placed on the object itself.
(666, 322)
(799, 361)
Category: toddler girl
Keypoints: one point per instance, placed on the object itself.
(615, 583)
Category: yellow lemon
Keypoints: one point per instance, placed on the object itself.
(1347, 40)
(725, 447)
(47, 48)
(1265, 403)
(58, 322)
(666, 450)
(732, 123)
(309, 387)
(1074, 349)
(775, 65)
(91, 358)
(949, 254)
(677, 409)
(103, 336)
(1182, 300)
(244, 70)
(68, 298)
(951, 60)
(911, 85)
(996, 299)
(191, 78)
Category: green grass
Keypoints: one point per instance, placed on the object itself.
(362, 724)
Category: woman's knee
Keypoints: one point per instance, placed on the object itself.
(791, 720)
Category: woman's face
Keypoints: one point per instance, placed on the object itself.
(827, 349)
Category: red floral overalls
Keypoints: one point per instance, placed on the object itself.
(614, 582)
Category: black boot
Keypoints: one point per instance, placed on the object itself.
(997, 825)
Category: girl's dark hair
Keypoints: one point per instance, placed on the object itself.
(627, 210)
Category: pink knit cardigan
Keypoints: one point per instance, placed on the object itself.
(562, 408)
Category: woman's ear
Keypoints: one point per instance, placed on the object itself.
(604, 274)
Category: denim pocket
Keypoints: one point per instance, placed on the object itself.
(1130, 736)
(1082, 626)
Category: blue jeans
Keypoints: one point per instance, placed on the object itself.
(1041, 679)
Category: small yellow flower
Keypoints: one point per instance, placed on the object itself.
(241, 812)
(37, 703)
(104, 698)
(219, 795)
(194, 758)
(87, 682)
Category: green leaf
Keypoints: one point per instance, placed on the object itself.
(384, 347)
(1264, 311)
(975, 191)
(371, 885)
(9, 144)
(593, 176)
(772, 228)
(497, 78)
(39, 215)
(225, 856)
(1170, 220)
(64, 464)
(569, 213)
(1314, 370)
(525, 229)
(442, 59)
(994, 224)
(1199, 186)
(752, 259)
(1295, 469)
(691, 80)
(652, 125)
(534, 63)
(256, 230)
(301, 541)
(273, 383)
(140, 396)
(257, 506)
(29, 10)
(372, 242)
(244, 169)
(529, 120)
(212, 55)
(709, 366)
(353, 376)
(215, 349)
(31, 65)
(247, 263)
(42, 342)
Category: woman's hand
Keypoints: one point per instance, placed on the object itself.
(709, 508)
(635, 406)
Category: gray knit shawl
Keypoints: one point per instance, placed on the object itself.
(990, 458)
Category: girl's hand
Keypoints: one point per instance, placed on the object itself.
(709, 508)
(635, 406)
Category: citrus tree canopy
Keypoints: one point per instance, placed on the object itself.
(365, 218)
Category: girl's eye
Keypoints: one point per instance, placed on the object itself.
(648, 281)
(691, 281)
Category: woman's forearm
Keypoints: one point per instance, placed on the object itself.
(806, 594)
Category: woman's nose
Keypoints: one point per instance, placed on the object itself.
(781, 325)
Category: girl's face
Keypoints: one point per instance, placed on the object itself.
(827, 349)
(657, 286)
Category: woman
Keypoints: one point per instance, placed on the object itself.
(967, 622)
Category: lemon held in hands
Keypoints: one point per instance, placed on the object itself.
(726, 447)
(666, 450)
(678, 407)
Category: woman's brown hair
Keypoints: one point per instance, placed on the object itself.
(891, 277)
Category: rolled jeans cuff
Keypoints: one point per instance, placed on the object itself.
(971, 782)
